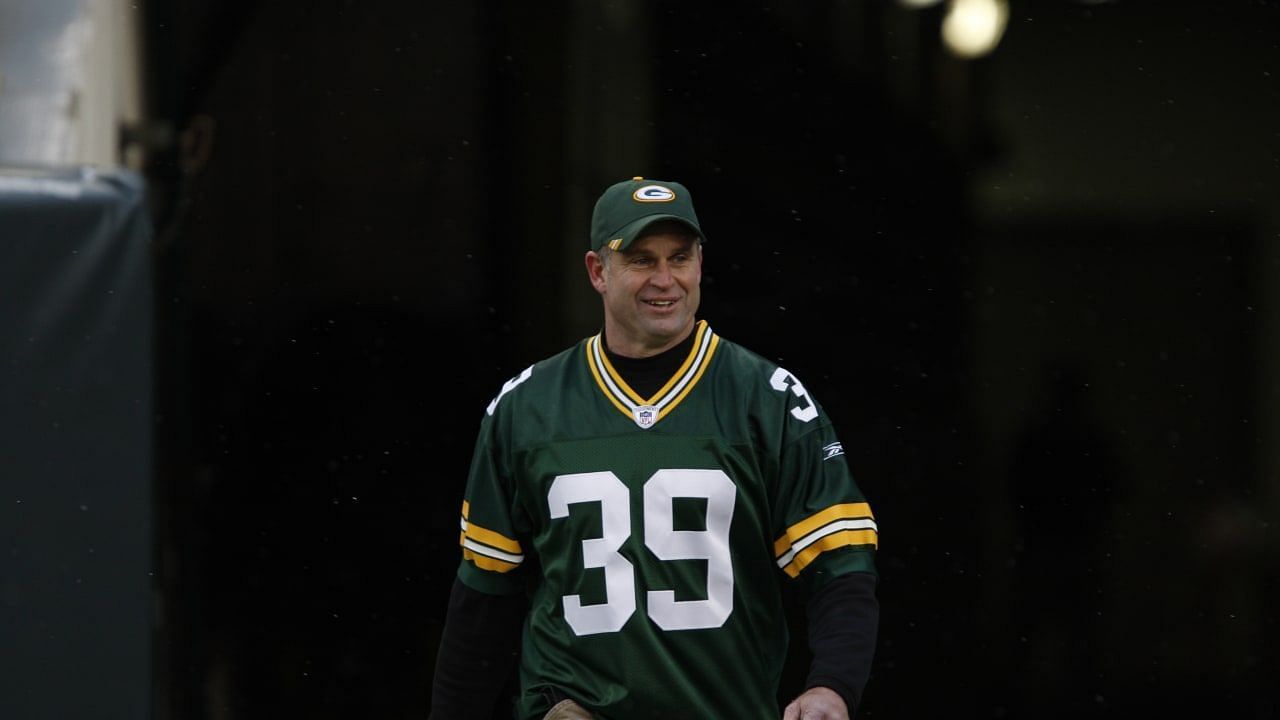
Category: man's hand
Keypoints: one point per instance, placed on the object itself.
(818, 703)
(567, 710)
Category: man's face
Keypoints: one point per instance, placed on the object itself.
(650, 290)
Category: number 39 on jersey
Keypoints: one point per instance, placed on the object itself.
(661, 537)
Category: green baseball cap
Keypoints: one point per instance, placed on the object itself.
(625, 209)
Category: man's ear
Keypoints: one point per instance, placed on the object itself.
(596, 271)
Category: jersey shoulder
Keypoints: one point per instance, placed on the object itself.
(767, 384)
(539, 382)
(744, 362)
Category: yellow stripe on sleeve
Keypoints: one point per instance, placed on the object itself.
(492, 539)
(485, 562)
(485, 535)
(843, 511)
(830, 542)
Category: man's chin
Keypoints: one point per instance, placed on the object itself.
(668, 330)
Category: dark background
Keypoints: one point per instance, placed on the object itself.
(1033, 290)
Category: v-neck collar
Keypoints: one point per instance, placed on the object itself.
(646, 412)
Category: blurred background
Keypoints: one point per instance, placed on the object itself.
(263, 264)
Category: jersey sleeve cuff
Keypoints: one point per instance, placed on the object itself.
(838, 563)
(489, 582)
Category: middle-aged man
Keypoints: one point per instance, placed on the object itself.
(636, 501)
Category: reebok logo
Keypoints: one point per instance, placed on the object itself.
(832, 450)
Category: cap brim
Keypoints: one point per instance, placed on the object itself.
(636, 228)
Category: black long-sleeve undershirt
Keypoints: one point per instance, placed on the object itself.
(479, 647)
(478, 651)
(844, 617)
(480, 643)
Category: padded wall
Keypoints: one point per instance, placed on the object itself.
(75, 445)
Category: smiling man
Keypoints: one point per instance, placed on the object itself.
(651, 291)
(636, 502)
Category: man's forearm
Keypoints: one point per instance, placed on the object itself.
(478, 650)
(843, 621)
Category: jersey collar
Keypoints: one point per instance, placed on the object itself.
(646, 412)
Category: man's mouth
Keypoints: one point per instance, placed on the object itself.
(661, 303)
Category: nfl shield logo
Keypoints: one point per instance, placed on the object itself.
(646, 416)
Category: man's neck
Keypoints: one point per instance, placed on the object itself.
(646, 375)
(638, 351)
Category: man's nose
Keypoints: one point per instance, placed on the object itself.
(661, 275)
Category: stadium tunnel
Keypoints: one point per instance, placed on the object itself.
(264, 263)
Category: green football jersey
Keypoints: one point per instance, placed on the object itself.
(654, 532)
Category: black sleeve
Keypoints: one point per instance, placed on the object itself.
(478, 651)
(843, 619)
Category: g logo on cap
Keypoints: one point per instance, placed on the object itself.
(653, 193)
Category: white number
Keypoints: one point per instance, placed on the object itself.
(711, 545)
(602, 552)
(508, 386)
(662, 539)
(779, 383)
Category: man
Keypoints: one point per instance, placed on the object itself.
(648, 491)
